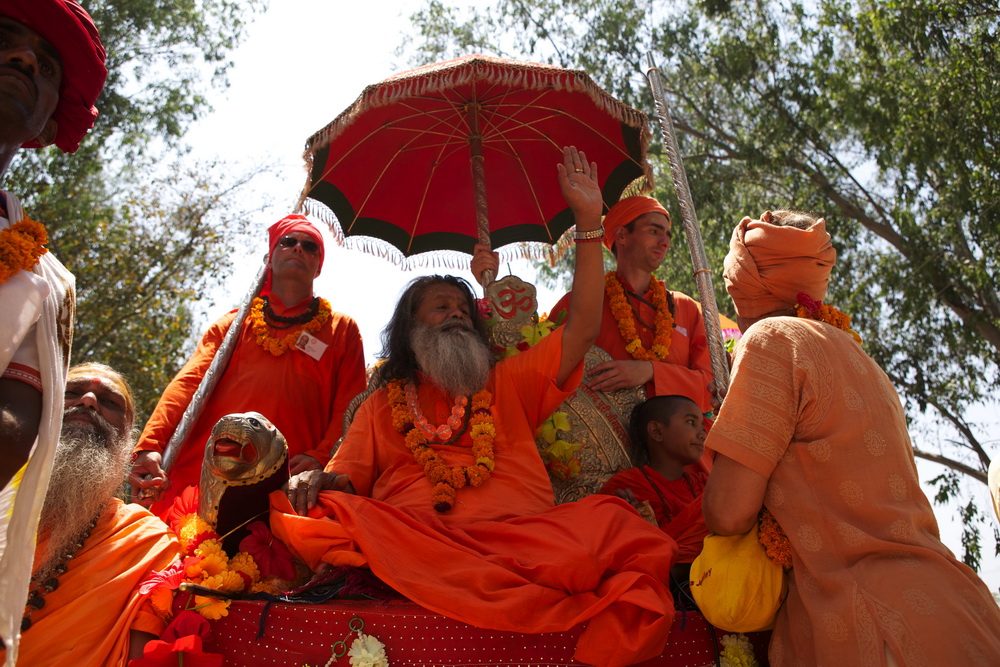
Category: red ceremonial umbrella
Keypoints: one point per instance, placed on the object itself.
(438, 157)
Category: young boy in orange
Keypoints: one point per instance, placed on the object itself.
(668, 433)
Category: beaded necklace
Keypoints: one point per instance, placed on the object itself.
(276, 321)
(443, 432)
(446, 479)
(47, 580)
(279, 345)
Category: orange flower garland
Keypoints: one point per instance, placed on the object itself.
(773, 539)
(447, 479)
(20, 247)
(279, 345)
(811, 309)
(663, 324)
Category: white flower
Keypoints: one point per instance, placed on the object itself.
(367, 651)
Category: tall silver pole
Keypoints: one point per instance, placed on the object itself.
(702, 274)
(212, 375)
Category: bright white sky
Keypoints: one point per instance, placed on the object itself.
(304, 62)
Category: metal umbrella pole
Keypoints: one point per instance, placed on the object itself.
(212, 375)
(702, 274)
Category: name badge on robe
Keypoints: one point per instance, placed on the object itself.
(311, 345)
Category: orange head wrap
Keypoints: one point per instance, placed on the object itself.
(284, 227)
(108, 375)
(69, 29)
(627, 210)
(768, 265)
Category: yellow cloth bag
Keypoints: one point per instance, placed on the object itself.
(737, 587)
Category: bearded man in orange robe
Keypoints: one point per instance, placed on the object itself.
(813, 429)
(296, 362)
(665, 349)
(438, 486)
(84, 606)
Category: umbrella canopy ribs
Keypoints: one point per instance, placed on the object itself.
(446, 155)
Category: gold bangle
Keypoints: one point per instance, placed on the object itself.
(589, 235)
(596, 238)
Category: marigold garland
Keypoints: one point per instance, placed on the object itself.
(206, 563)
(773, 539)
(278, 345)
(809, 308)
(663, 323)
(20, 247)
(447, 479)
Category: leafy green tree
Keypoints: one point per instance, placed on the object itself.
(882, 116)
(144, 231)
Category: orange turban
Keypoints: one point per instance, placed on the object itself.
(108, 375)
(284, 227)
(627, 210)
(767, 265)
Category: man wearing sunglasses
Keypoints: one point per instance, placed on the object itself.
(296, 362)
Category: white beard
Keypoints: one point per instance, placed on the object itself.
(90, 464)
(454, 355)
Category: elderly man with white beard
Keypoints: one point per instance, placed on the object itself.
(439, 489)
(93, 551)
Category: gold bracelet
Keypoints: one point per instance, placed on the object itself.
(589, 235)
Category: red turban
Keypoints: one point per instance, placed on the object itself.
(627, 210)
(284, 227)
(69, 29)
(768, 265)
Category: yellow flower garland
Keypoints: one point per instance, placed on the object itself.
(663, 324)
(447, 479)
(278, 345)
(20, 247)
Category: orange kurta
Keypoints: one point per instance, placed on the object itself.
(676, 504)
(87, 619)
(503, 557)
(687, 370)
(811, 412)
(304, 397)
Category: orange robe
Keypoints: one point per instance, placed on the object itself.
(811, 412)
(87, 619)
(304, 397)
(503, 558)
(687, 370)
(676, 503)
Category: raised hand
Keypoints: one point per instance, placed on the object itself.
(578, 180)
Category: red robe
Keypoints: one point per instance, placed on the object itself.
(503, 558)
(677, 505)
(304, 397)
(687, 370)
(86, 621)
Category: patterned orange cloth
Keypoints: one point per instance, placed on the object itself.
(811, 412)
(625, 211)
(304, 397)
(503, 558)
(677, 505)
(768, 265)
(86, 621)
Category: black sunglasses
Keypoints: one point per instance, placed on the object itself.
(310, 247)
